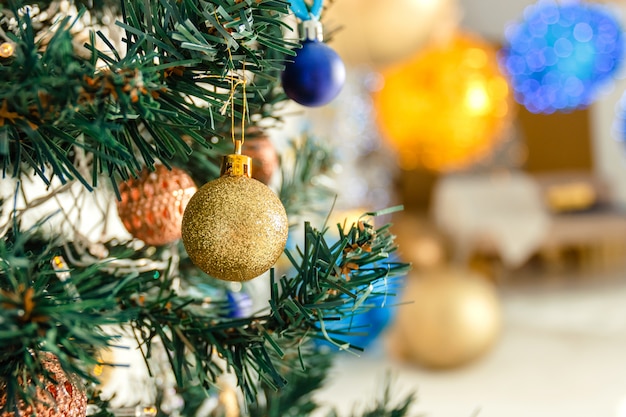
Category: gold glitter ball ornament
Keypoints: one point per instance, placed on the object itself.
(6, 50)
(235, 228)
(152, 205)
(62, 397)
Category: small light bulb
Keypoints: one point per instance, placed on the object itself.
(6, 50)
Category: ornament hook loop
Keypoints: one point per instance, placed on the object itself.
(302, 11)
(311, 30)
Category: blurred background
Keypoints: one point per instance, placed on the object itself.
(499, 126)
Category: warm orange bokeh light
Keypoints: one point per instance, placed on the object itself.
(446, 107)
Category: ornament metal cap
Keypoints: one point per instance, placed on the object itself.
(236, 165)
(312, 30)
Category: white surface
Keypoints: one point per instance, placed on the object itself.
(562, 353)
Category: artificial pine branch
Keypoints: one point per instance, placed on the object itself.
(298, 308)
(37, 303)
(304, 188)
(159, 97)
(41, 313)
(175, 81)
(296, 399)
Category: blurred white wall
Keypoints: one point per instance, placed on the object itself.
(489, 17)
(609, 151)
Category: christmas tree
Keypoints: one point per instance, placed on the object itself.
(119, 111)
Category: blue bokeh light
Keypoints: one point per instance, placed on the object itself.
(561, 55)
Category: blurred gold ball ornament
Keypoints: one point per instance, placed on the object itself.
(452, 317)
(235, 228)
(446, 107)
(63, 397)
(379, 33)
(228, 403)
(151, 206)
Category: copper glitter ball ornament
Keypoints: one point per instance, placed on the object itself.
(63, 397)
(235, 228)
(264, 157)
(152, 205)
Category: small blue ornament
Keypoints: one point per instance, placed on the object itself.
(562, 55)
(239, 305)
(316, 74)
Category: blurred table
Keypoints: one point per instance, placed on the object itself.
(504, 214)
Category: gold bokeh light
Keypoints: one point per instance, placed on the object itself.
(447, 107)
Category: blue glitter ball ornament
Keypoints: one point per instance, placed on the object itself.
(562, 55)
(315, 75)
